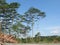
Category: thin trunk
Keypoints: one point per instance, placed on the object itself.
(26, 34)
(9, 31)
(0, 27)
(32, 30)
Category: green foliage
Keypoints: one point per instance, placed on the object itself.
(14, 22)
(20, 28)
(8, 12)
(43, 39)
(38, 34)
(14, 5)
(34, 13)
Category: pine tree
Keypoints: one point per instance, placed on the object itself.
(8, 12)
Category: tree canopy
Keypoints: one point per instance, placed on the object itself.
(12, 21)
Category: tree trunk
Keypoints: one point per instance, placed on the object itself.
(0, 27)
(32, 29)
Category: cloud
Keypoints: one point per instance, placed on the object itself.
(55, 30)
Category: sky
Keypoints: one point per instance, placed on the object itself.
(48, 26)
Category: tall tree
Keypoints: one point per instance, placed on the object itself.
(9, 17)
(33, 15)
(8, 13)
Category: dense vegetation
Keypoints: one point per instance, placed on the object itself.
(41, 39)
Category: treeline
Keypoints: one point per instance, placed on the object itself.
(40, 39)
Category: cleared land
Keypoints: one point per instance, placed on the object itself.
(33, 44)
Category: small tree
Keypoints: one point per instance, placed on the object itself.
(37, 37)
(38, 34)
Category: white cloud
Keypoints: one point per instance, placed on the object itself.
(55, 30)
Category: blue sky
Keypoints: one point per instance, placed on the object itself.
(50, 25)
